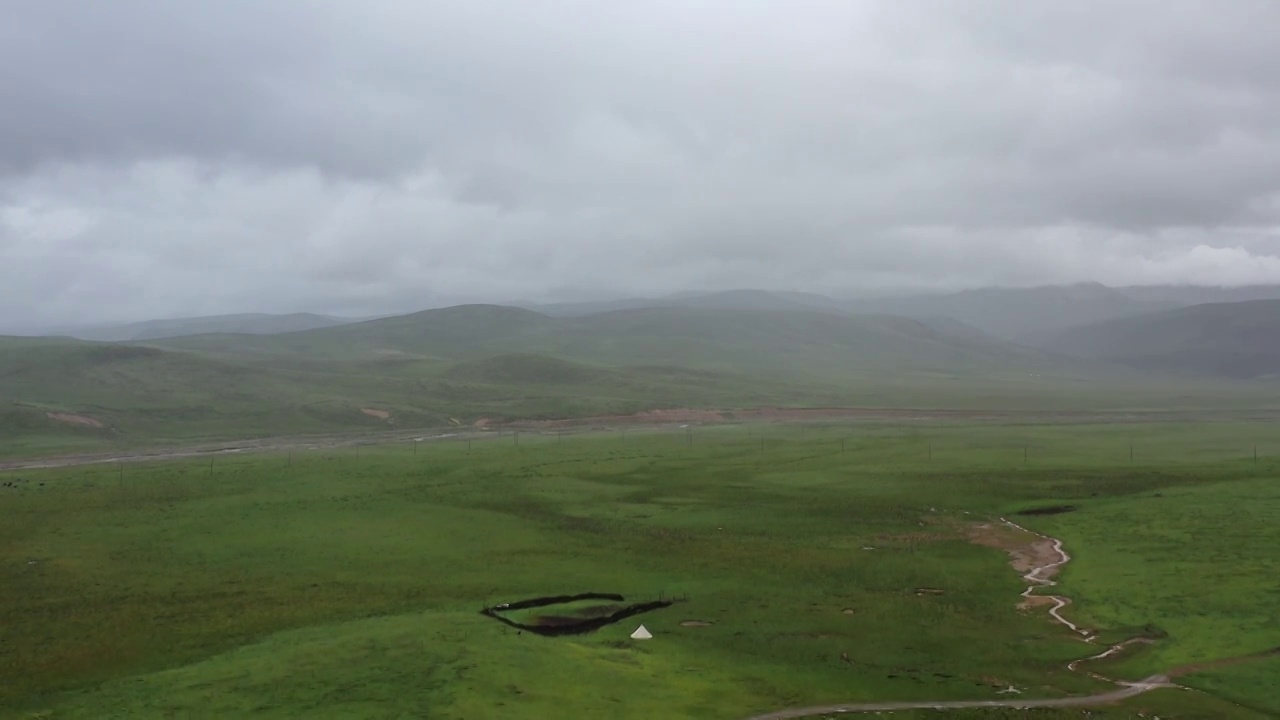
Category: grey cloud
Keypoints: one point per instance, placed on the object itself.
(173, 158)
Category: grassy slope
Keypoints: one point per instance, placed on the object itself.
(1144, 573)
(458, 332)
(145, 394)
(794, 343)
(820, 345)
(835, 359)
(349, 585)
(138, 392)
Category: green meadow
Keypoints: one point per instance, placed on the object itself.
(348, 582)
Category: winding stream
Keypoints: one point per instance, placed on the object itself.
(1036, 579)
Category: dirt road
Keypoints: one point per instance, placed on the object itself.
(280, 444)
(1130, 690)
(674, 417)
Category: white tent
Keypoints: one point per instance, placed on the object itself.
(641, 633)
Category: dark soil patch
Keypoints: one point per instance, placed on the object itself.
(584, 620)
(696, 623)
(1050, 510)
(71, 419)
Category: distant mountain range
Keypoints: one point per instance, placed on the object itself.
(1238, 339)
(726, 300)
(1030, 316)
(1035, 316)
(262, 375)
(460, 364)
(249, 324)
(791, 344)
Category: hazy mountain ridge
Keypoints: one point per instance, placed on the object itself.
(1019, 314)
(1024, 315)
(1029, 316)
(243, 323)
(746, 299)
(796, 343)
(467, 362)
(1238, 339)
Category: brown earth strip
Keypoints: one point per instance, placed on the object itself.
(1026, 552)
(70, 419)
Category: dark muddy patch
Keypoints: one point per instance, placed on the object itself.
(1050, 510)
(575, 621)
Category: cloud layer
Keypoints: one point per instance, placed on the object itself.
(164, 159)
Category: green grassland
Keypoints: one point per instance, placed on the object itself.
(347, 583)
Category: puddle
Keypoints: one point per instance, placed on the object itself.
(592, 612)
(1051, 510)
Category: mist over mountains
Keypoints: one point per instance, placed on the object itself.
(1032, 316)
(1081, 346)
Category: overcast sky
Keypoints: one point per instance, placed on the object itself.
(163, 158)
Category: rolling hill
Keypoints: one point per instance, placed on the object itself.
(250, 324)
(724, 300)
(1238, 340)
(462, 364)
(796, 345)
(1035, 316)
(117, 392)
(1020, 314)
(1029, 316)
(784, 343)
(431, 368)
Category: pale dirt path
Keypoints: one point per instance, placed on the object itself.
(651, 419)
(280, 444)
(1128, 691)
